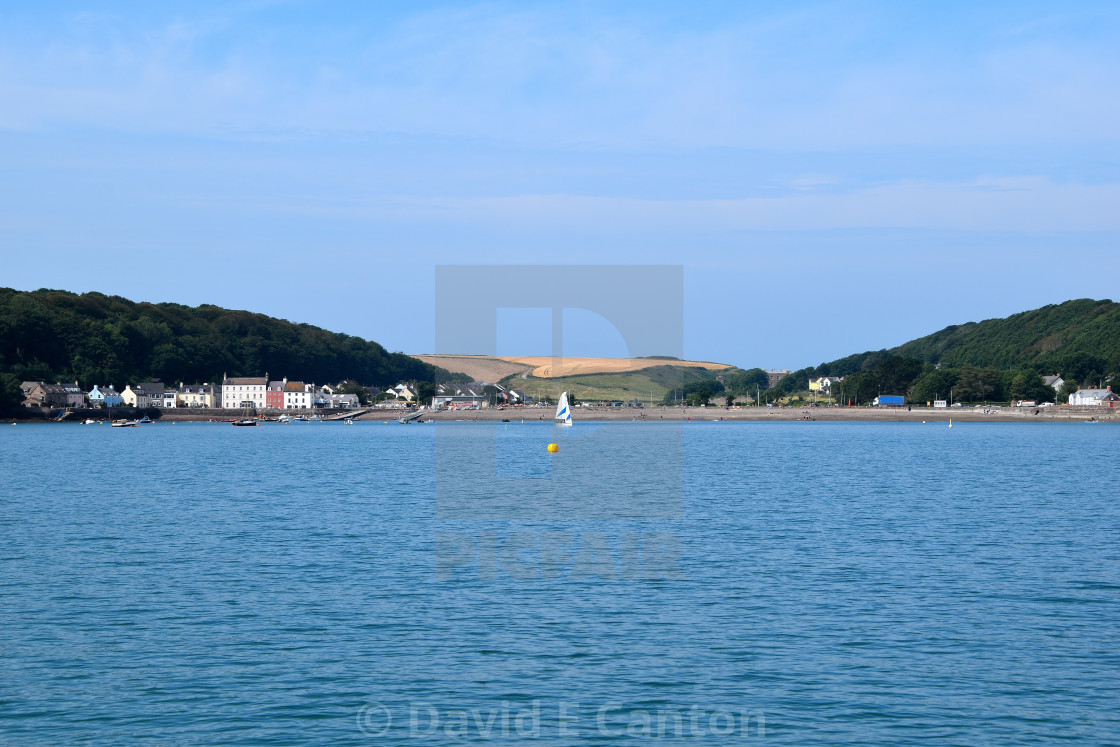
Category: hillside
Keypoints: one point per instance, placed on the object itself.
(590, 379)
(54, 335)
(477, 367)
(1054, 338)
(545, 367)
(996, 359)
(494, 368)
(651, 383)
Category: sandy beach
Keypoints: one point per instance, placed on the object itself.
(1056, 414)
(775, 414)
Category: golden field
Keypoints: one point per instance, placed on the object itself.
(545, 367)
(490, 368)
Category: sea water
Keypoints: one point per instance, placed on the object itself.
(706, 583)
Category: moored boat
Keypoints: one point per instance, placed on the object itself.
(246, 421)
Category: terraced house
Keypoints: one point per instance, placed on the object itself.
(199, 395)
(148, 394)
(290, 395)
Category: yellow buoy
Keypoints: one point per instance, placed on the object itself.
(553, 448)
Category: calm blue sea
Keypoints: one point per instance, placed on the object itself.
(703, 583)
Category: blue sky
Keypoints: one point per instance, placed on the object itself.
(834, 177)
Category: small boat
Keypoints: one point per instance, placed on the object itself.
(89, 421)
(144, 421)
(284, 419)
(246, 421)
(126, 424)
(315, 419)
(348, 421)
(563, 412)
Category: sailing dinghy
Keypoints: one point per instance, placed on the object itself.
(563, 412)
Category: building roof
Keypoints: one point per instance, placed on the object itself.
(1051, 379)
(246, 381)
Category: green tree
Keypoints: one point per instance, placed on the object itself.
(858, 388)
(10, 393)
(1068, 388)
(700, 395)
(934, 384)
(976, 384)
(352, 387)
(1028, 385)
(895, 374)
(747, 382)
(425, 390)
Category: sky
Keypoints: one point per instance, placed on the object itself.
(833, 177)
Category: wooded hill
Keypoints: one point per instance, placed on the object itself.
(992, 360)
(54, 335)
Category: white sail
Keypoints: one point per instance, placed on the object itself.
(563, 412)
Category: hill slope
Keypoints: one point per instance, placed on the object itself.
(97, 339)
(1079, 339)
(494, 368)
(1053, 338)
(588, 379)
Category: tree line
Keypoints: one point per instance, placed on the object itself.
(53, 335)
(997, 360)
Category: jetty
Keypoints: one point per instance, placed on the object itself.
(348, 414)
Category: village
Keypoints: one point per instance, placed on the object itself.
(262, 394)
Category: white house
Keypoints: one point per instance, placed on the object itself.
(1094, 397)
(403, 392)
(298, 395)
(245, 391)
(1055, 381)
(199, 395)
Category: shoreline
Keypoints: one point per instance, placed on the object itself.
(816, 414)
(1060, 414)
